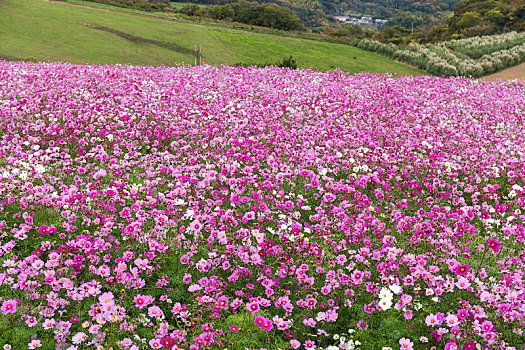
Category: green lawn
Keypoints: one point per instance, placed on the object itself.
(55, 31)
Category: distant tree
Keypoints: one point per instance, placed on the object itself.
(192, 10)
(436, 33)
(225, 12)
(392, 35)
(265, 15)
(468, 20)
(345, 30)
(409, 19)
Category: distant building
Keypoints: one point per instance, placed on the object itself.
(364, 21)
(341, 18)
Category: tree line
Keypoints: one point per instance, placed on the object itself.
(264, 15)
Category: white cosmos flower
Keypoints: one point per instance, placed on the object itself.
(385, 294)
(385, 304)
(396, 289)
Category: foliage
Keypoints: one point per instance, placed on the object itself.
(286, 62)
(192, 10)
(391, 34)
(248, 13)
(346, 30)
(145, 5)
(410, 20)
(31, 59)
(477, 18)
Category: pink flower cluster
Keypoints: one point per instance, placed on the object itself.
(211, 208)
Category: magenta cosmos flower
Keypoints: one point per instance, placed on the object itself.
(260, 321)
(167, 342)
(141, 301)
(470, 345)
(461, 269)
(494, 245)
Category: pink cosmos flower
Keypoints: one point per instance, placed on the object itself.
(462, 314)
(310, 344)
(368, 308)
(155, 312)
(406, 344)
(31, 321)
(9, 307)
(155, 343)
(362, 324)
(268, 324)
(139, 301)
(431, 320)
(142, 300)
(79, 337)
(187, 278)
(295, 343)
(452, 320)
(253, 307)
(487, 326)
(106, 299)
(48, 323)
(259, 321)
(34, 344)
(309, 322)
(462, 283)
(207, 327)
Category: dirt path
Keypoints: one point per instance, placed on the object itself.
(139, 40)
(516, 72)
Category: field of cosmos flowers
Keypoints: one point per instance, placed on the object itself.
(245, 208)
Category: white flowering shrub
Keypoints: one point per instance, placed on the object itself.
(475, 57)
(479, 46)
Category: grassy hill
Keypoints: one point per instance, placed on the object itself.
(64, 31)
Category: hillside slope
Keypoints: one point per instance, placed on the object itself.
(54, 31)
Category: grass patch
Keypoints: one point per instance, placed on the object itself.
(56, 31)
